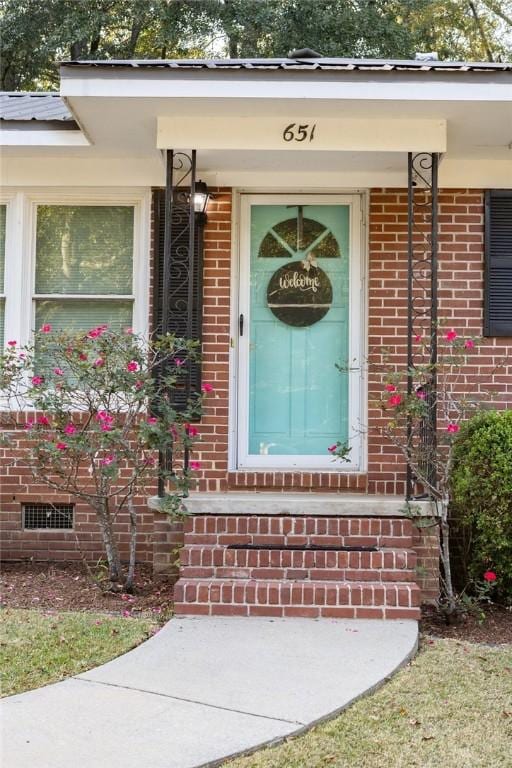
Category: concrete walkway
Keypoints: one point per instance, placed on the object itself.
(201, 690)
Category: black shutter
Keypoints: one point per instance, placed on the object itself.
(181, 316)
(498, 263)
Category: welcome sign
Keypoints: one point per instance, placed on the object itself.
(299, 294)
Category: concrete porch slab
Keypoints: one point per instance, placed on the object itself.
(298, 504)
(202, 690)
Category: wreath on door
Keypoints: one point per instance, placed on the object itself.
(300, 292)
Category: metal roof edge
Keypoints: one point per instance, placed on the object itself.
(344, 64)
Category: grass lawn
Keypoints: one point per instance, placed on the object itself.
(37, 648)
(450, 708)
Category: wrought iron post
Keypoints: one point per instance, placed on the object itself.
(178, 262)
(422, 309)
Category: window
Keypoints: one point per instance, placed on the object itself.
(498, 263)
(84, 266)
(74, 258)
(3, 216)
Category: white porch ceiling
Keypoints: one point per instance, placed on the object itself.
(122, 131)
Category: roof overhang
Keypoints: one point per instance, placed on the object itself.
(368, 115)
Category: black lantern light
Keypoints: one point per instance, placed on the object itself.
(201, 197)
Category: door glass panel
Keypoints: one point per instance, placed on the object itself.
(298, 400)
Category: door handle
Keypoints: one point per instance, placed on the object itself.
(241, 325)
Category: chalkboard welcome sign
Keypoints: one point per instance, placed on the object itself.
(299, 296)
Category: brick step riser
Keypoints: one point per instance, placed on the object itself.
(274, 540)
(296, 574)
(285, 528)
(305, 612)
(220, 557)
(291, 599)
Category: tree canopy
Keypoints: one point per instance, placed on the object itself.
(37, 34)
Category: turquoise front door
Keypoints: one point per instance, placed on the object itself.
(296, 331)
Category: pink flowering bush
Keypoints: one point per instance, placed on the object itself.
(430, 461)
(103, 411)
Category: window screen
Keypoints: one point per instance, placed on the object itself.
(84, 251)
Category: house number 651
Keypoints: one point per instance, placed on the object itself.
(294, 132)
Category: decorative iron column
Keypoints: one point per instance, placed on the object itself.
(422, 309)
(180, 253)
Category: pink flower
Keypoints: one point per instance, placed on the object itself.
(127, 614)
(128, 331)
(417, 338)
(152, 420)
(394, 400)
(11, 343)
(70, 429)
(469, 344)
(192, 431)
(332, 448)
(43, 421)
(98, 362)
(194, 465)
(61, 446)
(58, 371)
(29, 424)
(450, 335)
(107, 460)
(37, 380)
(207, 387)
(139, 384)
(421, 394)
(95, 332)
(490, 576)
(390, 388)
(82, 356)
(105, 420)
(452, 427)
(132, 366)
(179, 362)
(46, 328)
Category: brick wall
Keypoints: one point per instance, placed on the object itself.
(460, 304)
(460, 271)
(17, 487)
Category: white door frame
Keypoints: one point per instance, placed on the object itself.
(239, 379)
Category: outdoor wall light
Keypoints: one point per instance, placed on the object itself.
(201, 197)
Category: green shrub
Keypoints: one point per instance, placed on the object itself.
(482, 495)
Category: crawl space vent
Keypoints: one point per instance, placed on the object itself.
(57, 516)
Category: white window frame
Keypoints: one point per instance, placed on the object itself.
(11, 276)
(20, 252)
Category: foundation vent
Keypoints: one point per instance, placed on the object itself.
(55, 516)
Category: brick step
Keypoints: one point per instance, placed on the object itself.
(228, 597)
(225, 530)
(391, 565)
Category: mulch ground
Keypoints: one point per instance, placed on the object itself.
(493, 628)
(67, 587)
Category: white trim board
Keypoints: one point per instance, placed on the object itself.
(296, 133)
